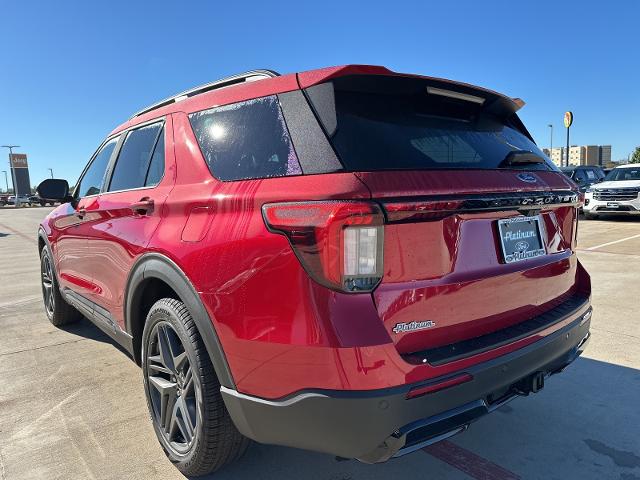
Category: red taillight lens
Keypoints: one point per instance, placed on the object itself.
(338, 243)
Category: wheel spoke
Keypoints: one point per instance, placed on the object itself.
(179, 361)
(155, 362)
(164, 345)
(188, 382)
(168, 392)
(172, 398)
(183, 420)
(173, 424)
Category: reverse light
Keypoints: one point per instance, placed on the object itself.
(339, 243)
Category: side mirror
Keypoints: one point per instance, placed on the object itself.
(54, 189)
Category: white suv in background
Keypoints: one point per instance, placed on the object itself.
(618, 194)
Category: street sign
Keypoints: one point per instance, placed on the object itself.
(568, 119)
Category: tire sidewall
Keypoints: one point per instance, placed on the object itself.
(162, 312)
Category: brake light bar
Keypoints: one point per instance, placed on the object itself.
(457, 95)
(436, 208)
(421, 210)
(339, 243)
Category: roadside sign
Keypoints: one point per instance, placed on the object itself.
(568, 119)
(19, 160)
(20, 173)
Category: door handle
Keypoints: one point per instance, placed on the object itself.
(142, 206)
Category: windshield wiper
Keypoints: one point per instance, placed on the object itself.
(518, 158)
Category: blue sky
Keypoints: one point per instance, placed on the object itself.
(71, 71)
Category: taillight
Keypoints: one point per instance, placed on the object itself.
(339, 243)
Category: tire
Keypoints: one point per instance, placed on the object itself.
(183, 393)
(42, 203)
(58, 311)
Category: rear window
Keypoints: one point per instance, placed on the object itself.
(246, 140)
(396, 123)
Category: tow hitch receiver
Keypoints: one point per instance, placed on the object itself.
(531, 384)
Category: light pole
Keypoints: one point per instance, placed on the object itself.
(6, 182)
(551, 142)
(50, 170)
(13, 176)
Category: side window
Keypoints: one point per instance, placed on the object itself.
(591, 175)
(134, 158)
(579, 176)
(93, 178)
(246, 140)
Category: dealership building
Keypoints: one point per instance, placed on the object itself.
(581, 155)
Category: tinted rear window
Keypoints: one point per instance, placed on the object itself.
(393, 123)
(246, 140)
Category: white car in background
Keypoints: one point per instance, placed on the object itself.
(618, 194)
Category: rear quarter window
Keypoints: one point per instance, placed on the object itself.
(133, 160)
(246, 140)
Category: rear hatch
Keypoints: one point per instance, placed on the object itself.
(479, 224)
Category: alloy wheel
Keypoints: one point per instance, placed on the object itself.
(47, 285)
(173, 392)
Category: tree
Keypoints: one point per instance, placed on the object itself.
(635, 156)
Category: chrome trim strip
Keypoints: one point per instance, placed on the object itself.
(272, 403)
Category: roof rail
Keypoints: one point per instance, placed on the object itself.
(249, 76)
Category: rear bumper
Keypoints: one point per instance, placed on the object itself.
(376, 425)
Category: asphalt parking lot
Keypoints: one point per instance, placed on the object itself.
(72, 404)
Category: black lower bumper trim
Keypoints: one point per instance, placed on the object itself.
(473, 346)
(374, 426)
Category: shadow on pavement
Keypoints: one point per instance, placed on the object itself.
(582, 425)
(84, 328)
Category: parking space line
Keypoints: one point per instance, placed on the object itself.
(614, 242)
(608, 252)
(468, 462)
(20, 234)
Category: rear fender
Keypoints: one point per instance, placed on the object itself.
(154, 265)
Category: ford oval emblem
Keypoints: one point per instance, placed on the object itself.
(527, 177)
(522, 246)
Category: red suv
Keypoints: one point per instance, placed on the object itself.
(347, 260)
